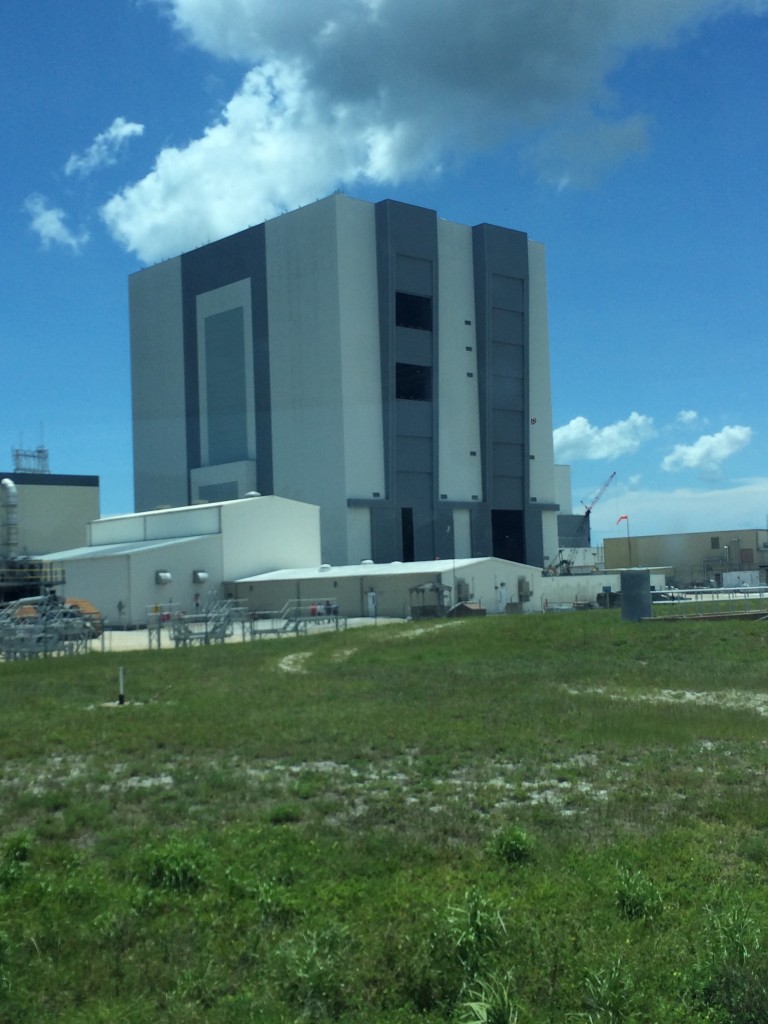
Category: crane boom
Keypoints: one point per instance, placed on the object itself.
(601, 491)
(563, 565)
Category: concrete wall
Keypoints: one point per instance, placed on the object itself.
(460, 474)
(305, 365)
(262, 534)
(190, 521)
(52, 510)
(129, 578)
(582, 589)
(159, 400)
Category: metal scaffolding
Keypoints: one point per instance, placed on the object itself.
(41, 627)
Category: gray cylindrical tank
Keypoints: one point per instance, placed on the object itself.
(636, 595)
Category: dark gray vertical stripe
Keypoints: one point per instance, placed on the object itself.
(225, 386)
(407, 259)
(500, 265)
(213, 266)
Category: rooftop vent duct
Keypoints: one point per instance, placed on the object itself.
(9, 538)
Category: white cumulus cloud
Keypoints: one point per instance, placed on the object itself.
(687, 416)
(48, 222)
(709, 452)
(104, 149)
(344, 90)
(579, 439)
(272, 149)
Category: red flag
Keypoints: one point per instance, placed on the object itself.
(620, 519)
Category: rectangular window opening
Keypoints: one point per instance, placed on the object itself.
(413, 383)
(414, 311)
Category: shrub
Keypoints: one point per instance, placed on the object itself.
(636, 896)
(476, 927)
(734, 970)
(609, 996)
(491, 1002)
(14, 859)
(177, 866)
(312, 971)
(513, 845)
(284, 814)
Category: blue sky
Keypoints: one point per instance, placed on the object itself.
(630, 140)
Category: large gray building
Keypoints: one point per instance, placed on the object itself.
(373, 359)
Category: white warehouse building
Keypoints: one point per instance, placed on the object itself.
(181, 556)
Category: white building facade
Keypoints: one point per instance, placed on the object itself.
(372, 359)
(181, 556)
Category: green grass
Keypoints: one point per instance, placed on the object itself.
(539, 819)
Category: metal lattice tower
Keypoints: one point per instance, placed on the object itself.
(33, 460)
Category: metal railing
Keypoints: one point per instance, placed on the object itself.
(43, 627)
(710, 601)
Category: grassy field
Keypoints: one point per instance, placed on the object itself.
(540, 819)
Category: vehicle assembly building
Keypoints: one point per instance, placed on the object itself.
(385, 365)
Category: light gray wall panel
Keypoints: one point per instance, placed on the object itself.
(158, 387)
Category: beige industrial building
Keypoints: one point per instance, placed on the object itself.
(38, 511)
(41, 511)
(716, 558)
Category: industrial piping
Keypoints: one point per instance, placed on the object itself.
(10, 533)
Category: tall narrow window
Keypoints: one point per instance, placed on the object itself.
(406, 517)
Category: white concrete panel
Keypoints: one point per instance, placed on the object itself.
(462, 535)
(221, 300)
(550, 538)
(460, 474)
(104, 582)
(266, 533)
(117, 530)
(563, 493)
(358, 534)
(303, 302)
(157, 375)
(541, 443)
(360, 348)
(179, 559)
(187, 522)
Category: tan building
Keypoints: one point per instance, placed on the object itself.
(714, 558)
(41, 512)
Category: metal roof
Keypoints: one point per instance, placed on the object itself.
(127, 548)
(370, 569)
